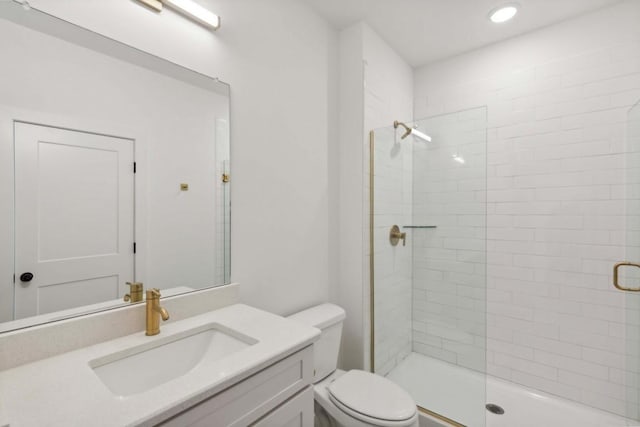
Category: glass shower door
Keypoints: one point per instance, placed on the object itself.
(627, 273)
(391, 271)
(428, 274)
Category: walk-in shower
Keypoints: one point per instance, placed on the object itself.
(440, 320)
(429, 295)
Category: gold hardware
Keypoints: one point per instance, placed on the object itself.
(135, 293)
(152, 4)
(184, 187)
(615, 276)
(449, 421)
(225, 177)
(395, 235)
(154, 312)
(407, 129)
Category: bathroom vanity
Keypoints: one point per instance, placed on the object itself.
(73, 351)
(234, 366)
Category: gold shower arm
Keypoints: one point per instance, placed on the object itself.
(407, 129)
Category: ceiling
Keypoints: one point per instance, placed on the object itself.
(424, 31)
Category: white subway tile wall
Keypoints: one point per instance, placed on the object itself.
(392, 270)
(558, 101)
(449, 277)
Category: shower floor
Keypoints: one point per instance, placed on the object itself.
(459, 394)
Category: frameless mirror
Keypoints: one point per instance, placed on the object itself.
(115, 167)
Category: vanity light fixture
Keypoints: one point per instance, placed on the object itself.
(189, 8)
(153, 4)
(196, 12)
(503, 13)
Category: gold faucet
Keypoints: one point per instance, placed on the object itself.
(154, 312)
(135, 293)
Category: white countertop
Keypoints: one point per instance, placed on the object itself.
(64, 391)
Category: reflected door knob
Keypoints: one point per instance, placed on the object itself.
(26, 277)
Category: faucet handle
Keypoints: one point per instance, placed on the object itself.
(135, 286)
(153, 293)
(135, 293)
(395, 236)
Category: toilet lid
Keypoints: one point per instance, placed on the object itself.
(372, 396)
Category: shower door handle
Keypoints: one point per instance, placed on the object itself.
(616, 281)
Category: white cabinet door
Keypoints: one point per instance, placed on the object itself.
(296, 412)
(74, 207)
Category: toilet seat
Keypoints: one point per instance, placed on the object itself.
(372, 399)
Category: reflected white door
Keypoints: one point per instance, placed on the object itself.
(74, 207)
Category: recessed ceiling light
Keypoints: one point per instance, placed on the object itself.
(503, 13)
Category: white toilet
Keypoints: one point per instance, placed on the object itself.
(354, 398)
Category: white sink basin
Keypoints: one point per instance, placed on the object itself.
(149, 365)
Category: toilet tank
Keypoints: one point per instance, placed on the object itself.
(328, 318)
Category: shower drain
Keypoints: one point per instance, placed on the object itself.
(494, 409)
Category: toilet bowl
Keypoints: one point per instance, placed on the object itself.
(353, 398)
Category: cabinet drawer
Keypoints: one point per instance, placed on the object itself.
(252, 398)
(295, 412)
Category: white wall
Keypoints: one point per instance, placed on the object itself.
(349, 287)
(557, 102)
(280, 59)
(375, 89)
